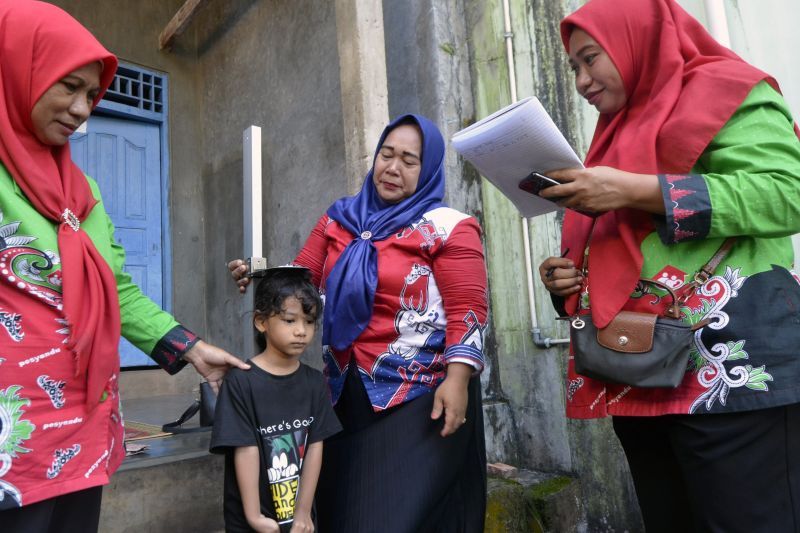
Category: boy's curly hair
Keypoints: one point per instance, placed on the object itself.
(273, 290)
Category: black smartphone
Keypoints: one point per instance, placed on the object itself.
(535, 183)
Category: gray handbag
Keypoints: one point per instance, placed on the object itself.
(641, 349)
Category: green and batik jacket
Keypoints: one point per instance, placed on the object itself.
(746, 184)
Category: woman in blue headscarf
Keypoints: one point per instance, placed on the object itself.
(405, 286)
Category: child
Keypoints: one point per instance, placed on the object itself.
(270, 421)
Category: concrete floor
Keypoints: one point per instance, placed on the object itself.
(174, 487)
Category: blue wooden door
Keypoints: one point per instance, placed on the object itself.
(124, 158)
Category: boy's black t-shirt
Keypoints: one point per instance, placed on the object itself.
(282, 416)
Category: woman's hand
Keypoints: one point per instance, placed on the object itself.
(238, 270)
(212, 363)
(302, 523)
(601, 189)
(560, 276)
(451, 397)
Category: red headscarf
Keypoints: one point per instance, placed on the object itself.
(682, 87)
(39, 45)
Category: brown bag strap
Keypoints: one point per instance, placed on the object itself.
(700, 277)
(673, 309)
(704, 274)
(708, 269)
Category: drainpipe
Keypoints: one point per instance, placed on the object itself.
(718, 21)
(538, 340)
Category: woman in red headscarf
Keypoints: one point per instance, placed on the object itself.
(692, 146)
(63, 295)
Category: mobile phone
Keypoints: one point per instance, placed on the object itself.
(535, 183)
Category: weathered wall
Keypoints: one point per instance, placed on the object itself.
(130, 30)
(427, 64)
(273, 64)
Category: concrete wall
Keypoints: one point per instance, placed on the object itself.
(427, 64)
(272, 64)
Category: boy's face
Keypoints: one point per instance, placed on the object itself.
(289, 332)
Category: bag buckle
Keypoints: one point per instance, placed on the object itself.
(701, 276)
(578, 323)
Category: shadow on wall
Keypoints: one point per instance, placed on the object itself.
(224, 19)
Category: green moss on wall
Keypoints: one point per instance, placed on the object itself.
(510, 509)
(448, 48)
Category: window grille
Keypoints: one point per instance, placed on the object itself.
(137, 88)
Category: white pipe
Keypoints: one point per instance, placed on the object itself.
(718, 21)
(512, 82)
(512, 73)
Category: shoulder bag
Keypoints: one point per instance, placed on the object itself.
(641, 349)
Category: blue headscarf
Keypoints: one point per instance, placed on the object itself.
(351, 284)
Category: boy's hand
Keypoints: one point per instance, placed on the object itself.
(262, 524)
(302, 523)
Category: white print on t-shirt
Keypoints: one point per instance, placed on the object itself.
(286, 426)
(285, 460)
(281, 468)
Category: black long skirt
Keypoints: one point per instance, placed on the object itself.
(391, 472)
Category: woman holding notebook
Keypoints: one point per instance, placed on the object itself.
(693, 146)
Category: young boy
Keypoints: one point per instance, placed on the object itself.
(270, 421)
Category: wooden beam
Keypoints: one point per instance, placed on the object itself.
(179, 22)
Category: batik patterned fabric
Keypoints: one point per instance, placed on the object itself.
(50, 444)
(745, 184)
(430, 305)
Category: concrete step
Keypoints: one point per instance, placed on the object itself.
(173, 487)
(527, 501)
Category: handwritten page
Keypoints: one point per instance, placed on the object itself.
(508, 145)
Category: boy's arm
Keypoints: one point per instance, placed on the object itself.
(247, 466)
(308, 486)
